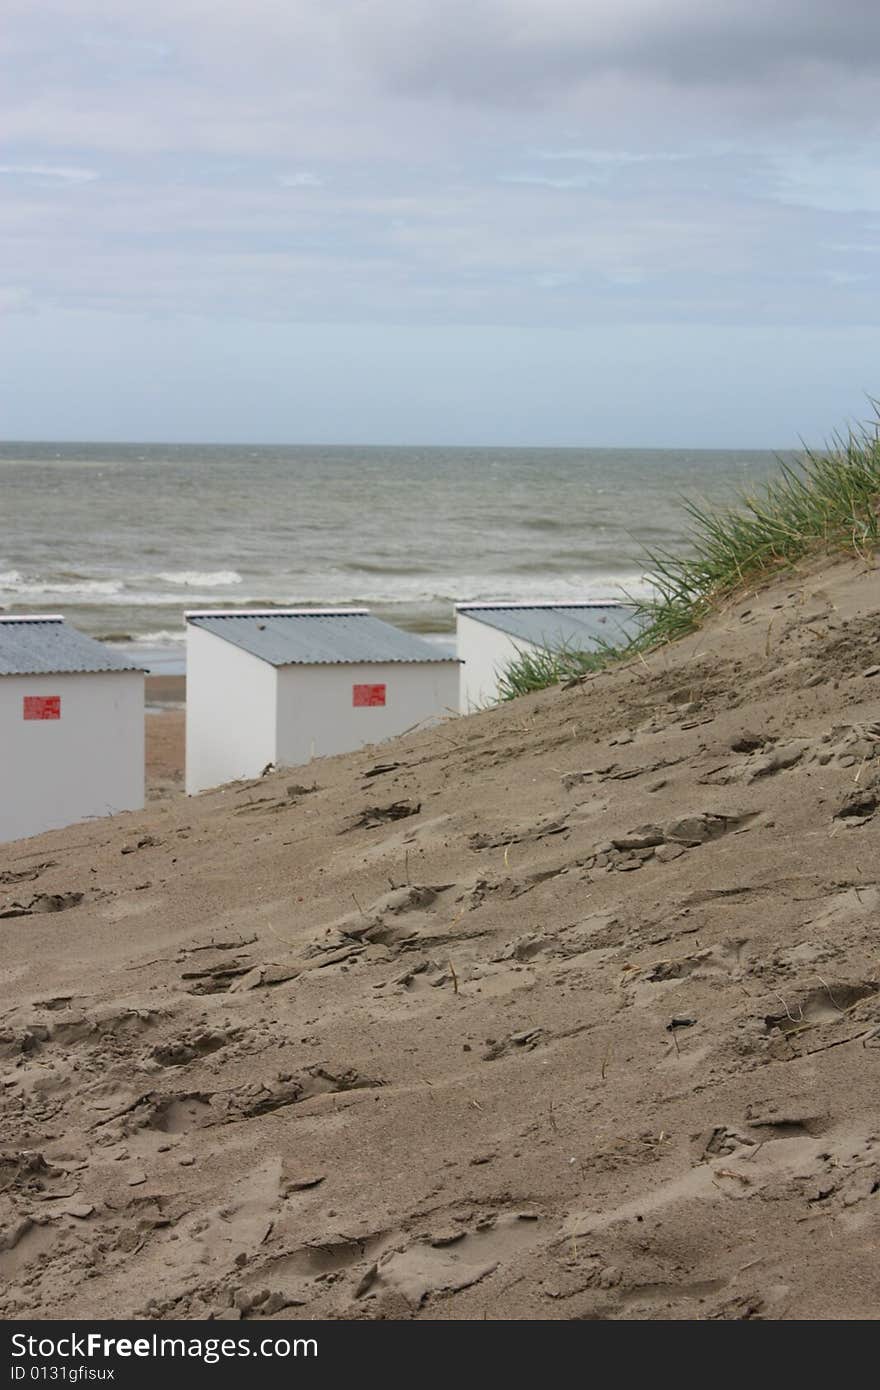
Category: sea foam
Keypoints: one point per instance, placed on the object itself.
(199, 579)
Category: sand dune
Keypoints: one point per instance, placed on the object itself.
(566, 1010)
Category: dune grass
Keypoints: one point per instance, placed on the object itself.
(537, 670)
(826, 503)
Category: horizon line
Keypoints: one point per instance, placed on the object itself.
(360, 444)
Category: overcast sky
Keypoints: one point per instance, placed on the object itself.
(440, 221)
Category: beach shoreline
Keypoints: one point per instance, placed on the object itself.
(164, 728)
(165, 692)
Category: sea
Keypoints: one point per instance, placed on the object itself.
(122, 538)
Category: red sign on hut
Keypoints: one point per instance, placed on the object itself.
(368, 695)
(42, 707)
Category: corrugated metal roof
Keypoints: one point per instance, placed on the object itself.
(317, 638)
(580, 627)
(34, 646)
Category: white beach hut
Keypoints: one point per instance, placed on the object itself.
(71, 727)
(491, 636)
(285, 685)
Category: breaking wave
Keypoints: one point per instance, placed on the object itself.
(199, 579)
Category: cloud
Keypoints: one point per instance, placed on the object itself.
(592, 166)
(55, 174)
(600, 167)
(616, 159)
(831, 179)
(14, 298)
(548, 180)
(667, 157)
(866, 248)
(523, 49)
(338, 77)
(554, 280)
(302, 179)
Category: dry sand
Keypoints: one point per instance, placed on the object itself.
(566, 1010)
